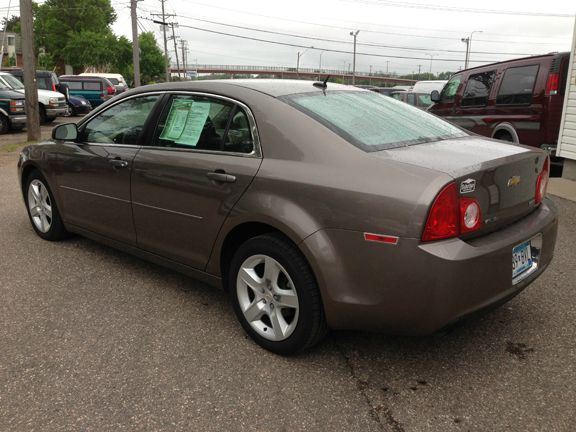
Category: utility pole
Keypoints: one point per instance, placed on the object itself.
(387, 64)
(135, 43)
(163, 23)
(468, 42)
(183, 46)
(419, 69)
(29, 71)
(175, 49)
(354, 34)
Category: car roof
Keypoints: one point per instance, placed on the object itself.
(489, 65)
(271, 87)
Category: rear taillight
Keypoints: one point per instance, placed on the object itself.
(53, 87)
(451, 215)
(111, 90)
(542, 182)
(552, 84)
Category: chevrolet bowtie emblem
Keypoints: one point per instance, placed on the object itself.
(513, 181)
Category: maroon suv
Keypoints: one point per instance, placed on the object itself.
(517, 100)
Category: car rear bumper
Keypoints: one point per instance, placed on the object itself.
(417, 288)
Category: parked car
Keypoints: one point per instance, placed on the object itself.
(96, 89)
(387, 91)
(12, 110)
(51, 104)
(79, 105)
(428, 86)
(419, 100)
(517, 100)
(47, 80)
(117, 80)
(315, 205)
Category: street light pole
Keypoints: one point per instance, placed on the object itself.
(300, 54)
(354, 34)
(431, 57)
(468, 42)
(320, 65)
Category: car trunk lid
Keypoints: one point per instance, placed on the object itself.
(501, 177)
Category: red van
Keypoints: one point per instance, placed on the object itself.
(517, 100)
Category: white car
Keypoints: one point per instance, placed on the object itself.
(51, 104)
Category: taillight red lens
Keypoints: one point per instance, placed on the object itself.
(443, 221)
(452, 215)
(53, 87)
(552, 84)
(542, 182)
(111, 90)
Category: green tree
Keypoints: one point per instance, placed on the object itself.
(11, 24)
(76, 32)
(151, 59)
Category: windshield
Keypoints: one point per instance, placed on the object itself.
(114, 81)
(13, 82)
(372, 121)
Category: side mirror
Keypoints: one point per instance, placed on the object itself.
(65, 132)
(435, 96)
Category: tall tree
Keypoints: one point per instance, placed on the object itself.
(11, 24)
(75, 32)
(151, 59)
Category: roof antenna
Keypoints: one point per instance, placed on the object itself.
(323, 85)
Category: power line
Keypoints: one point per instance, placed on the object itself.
(459, 9)
(320, 48)
(371, 44)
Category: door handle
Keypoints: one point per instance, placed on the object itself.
(221, 176)
(118, 163)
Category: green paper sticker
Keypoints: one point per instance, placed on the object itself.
(176, 120)
(195, 122)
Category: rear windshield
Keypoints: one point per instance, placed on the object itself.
(114, 81)
(371, 121)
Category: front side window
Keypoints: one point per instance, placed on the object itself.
(478, 88)
(517, 86)
(451, 88)
(204, 123)
(121, 124)
(371, 121)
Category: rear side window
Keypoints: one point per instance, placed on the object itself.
(92, 85)
(478, 89)
(73, 85)
(517, 86)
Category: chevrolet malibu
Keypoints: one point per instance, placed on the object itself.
(316, 206)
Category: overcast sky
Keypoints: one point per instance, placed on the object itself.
(432, 28)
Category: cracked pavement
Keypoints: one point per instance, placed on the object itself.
(93, 339)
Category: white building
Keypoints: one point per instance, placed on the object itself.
(567, 138)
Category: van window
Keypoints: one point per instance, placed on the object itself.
(92, 85)
(478, 89)
(450, 89)
(517, 86)
(74, 85)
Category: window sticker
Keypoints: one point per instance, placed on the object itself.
(176, 120)
(195, 122)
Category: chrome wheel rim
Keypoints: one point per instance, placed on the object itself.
(40, 206)
(267, 297)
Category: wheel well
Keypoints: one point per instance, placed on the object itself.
(26, 173)
(235, 238)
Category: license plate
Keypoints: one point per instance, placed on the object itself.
(521, 259)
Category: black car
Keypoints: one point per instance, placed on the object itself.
(12, 110)
(79, 105)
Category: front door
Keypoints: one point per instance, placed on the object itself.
(203, 156)
(94, 172)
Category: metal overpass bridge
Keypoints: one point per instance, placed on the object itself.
(287, 72)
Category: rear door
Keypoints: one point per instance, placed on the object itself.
(203, 155)
(93, 91)
(93, 173)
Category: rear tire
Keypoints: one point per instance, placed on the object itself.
(42, 209)
(42, 114)
(4, 124)
(275, 295)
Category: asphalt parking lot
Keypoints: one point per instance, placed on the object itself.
(92, 339)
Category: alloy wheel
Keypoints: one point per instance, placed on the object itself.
(40, 205)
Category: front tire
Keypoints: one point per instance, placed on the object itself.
(4, 124)
(275, 295)
(42, 209)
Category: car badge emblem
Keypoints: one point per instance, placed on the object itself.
(467, 186)
(513, 181)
